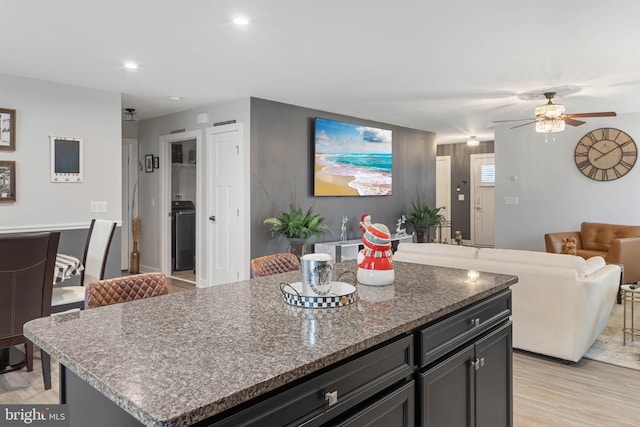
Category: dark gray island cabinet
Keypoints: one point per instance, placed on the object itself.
(436, 351)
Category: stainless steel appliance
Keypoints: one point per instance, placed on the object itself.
(183, 235)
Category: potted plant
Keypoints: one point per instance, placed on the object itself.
(423, 218)
(297, 227)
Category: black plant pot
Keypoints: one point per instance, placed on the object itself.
(422, 235)
(298, 247)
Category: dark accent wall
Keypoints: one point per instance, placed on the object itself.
(461, 171)
(282, 159)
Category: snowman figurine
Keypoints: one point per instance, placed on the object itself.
(375, 262)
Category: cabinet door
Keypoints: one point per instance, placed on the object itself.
(396, 408)
(447, 390)
(494, 386)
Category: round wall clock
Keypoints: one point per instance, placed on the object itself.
(605, 154)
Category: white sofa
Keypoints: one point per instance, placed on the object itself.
(560, 304)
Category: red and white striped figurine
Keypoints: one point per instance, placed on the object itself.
(375, 261)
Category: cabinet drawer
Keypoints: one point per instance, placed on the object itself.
(396, 408)
(446, 335)
(348, 385)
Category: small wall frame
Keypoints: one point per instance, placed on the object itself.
(7, 129)
(7, 181)
(66, 159)
(148, 163)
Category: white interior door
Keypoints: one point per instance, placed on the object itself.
(225, 207)
(483, 199)
(443, 192)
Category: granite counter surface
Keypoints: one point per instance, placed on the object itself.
(176, 359)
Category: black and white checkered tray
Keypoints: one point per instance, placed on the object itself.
(341, 294)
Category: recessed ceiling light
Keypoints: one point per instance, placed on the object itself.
(241, 20)
(131, 65)
(174, 98)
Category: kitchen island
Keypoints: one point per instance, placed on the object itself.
(212, 354)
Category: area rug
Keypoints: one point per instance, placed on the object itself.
(608, 347)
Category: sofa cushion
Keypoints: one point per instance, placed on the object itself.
(439, 249)
(531, 257)
(593, 264)
(586, 254)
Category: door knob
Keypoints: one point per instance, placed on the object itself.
(212, 218)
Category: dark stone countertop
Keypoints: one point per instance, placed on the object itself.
(176, 359)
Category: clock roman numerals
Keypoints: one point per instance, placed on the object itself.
(605, 154)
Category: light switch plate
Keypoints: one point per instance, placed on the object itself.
(98, 207)
(510, 200)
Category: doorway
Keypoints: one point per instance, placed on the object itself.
(183, 209)
(222, 190)
(443, 195)
(129, 197)
(179, 191)
(483, 176)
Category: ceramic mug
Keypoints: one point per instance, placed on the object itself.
(316, 274)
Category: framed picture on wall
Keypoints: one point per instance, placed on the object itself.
(7, 129)
(7, 181)
(148, 163)
(156, 162)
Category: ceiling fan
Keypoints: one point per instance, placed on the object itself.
(551, 117)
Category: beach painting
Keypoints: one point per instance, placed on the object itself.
(351, 160)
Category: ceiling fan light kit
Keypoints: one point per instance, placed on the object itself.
(552, 117)
(550, 125)
(550, 111)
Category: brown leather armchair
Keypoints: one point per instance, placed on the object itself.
(617, 244)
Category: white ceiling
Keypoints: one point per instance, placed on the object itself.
(448, 66)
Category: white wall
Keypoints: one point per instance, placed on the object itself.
(553, 194)
(149, 132)
(46, 108)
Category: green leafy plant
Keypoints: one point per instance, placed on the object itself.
(297, 225)
(423, 218)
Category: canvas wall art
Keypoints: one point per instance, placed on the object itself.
(351, 160)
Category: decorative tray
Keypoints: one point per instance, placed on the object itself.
(341, 294)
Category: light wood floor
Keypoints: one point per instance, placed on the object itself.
(546, 393)
(188, 275)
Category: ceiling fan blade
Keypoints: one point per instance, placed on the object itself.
(519, 126)
(573, 122)
(601, 114)
(512, 120)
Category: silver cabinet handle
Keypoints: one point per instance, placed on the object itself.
(332, 397)
(475, 322)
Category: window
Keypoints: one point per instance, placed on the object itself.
(488, 175)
